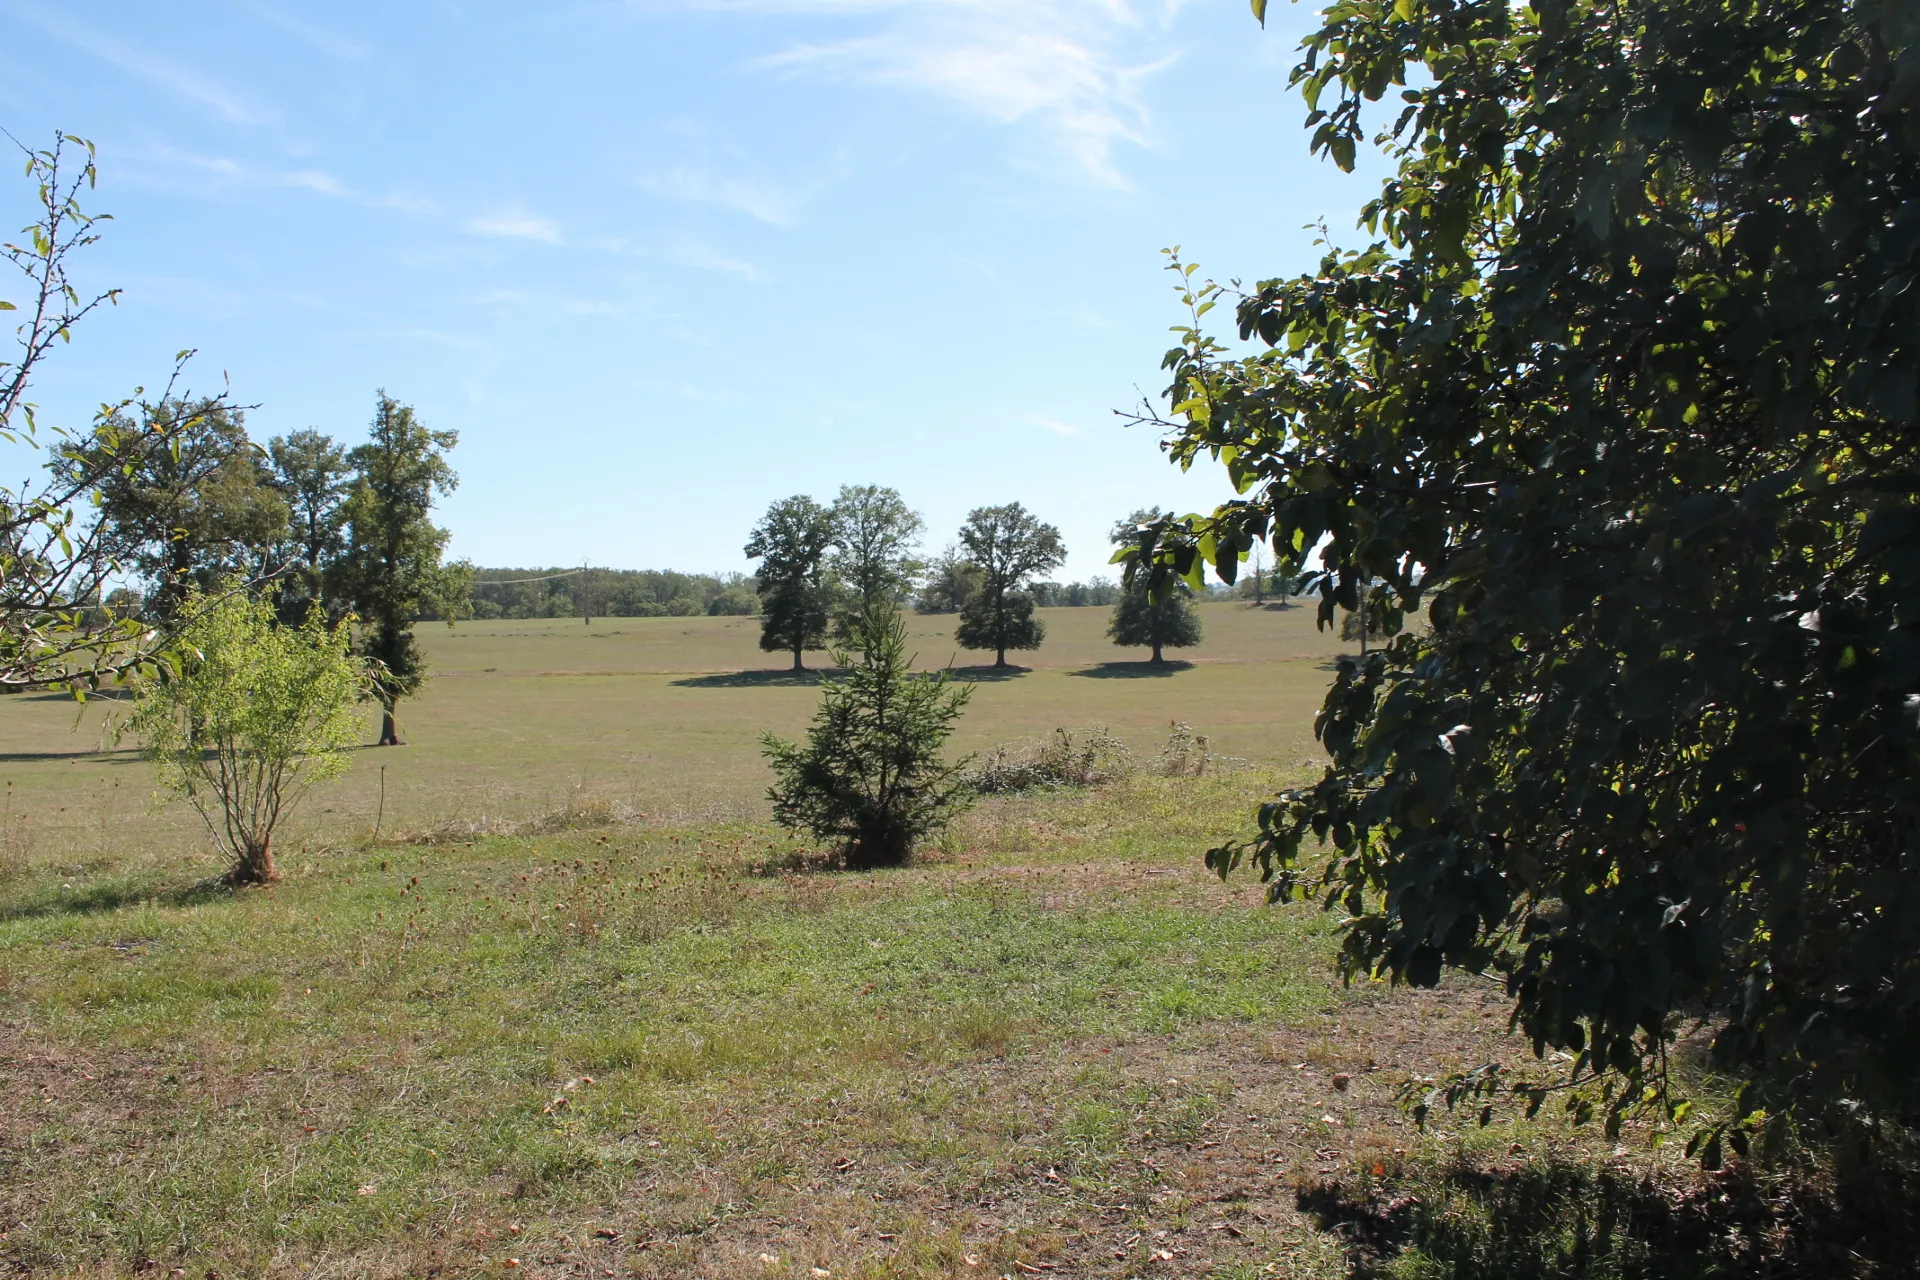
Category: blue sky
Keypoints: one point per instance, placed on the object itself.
(661, 263)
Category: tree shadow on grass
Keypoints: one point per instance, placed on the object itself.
(1133, 670)
(98, 899)
(775, 678)
(119, 755)
(988, 673)
(1561, 1218)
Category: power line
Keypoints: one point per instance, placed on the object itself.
(508, 582)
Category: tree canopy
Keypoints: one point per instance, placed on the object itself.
(1141, 617)
(874, 553)
(1617, 415)
(1008, 545)
(392, 573)
(796, 594)
(313, 478)
(202, 510)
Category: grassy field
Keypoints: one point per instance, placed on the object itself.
(640, 1039)
(660, 716)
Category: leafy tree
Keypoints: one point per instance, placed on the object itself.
(391, 572)
(796, 594)
(313, 477)
(255, 714)
(200, 511)
(873, 553)
(949, 582)
(1009, 546)
(1620, 406)
(1159, 620)
(870, 776)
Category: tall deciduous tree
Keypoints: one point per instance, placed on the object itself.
(1158, 620)
(1009, 546)
(199, 511)
(313, 477)
(391, 573)
(1624, 401)
(796, 593)
(873, 556)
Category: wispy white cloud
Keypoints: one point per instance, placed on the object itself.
(763, 201)
(182, 81)
(1054, 425)
(306, 32)
(704, 258)
(515, 225)
(1071, 68)
(170, 166)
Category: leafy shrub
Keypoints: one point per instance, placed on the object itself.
(1056, 761)
(254, 715)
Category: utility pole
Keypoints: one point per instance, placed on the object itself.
(586, 595)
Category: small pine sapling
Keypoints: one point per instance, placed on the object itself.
(870, 776)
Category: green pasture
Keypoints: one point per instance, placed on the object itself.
(580, 1011)
(662, 717)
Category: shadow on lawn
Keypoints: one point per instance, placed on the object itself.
(756, 679)
(119, 755)
(983, 674)
(98, 899)
(1571, 1220)
(1133, 670)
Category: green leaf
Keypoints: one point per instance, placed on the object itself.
(1260, 11)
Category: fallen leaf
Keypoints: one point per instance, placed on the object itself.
(1341, 1080)
(969, 1259)
(367, 1189)
(768, 1259)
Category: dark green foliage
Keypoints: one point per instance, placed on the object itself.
(390, 574)
(873, 557)
(1099, 593)
(1167, 623)
(999, 623)
(1008, 546)
(870, 777)
(1158, 620)
(1621, 413)
(200, 511)
(796, 595)
(311, 474)
(951, 580)
(560, 592)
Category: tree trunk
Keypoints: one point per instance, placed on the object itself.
(256, 866)
(797, 664)
(389, 729)
(1000, 656)
(1156, 652)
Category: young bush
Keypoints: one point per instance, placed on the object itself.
(255, 714)
(1059, 761)
(870, 776)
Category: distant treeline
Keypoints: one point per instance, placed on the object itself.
(609, 593)
(560, 592)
